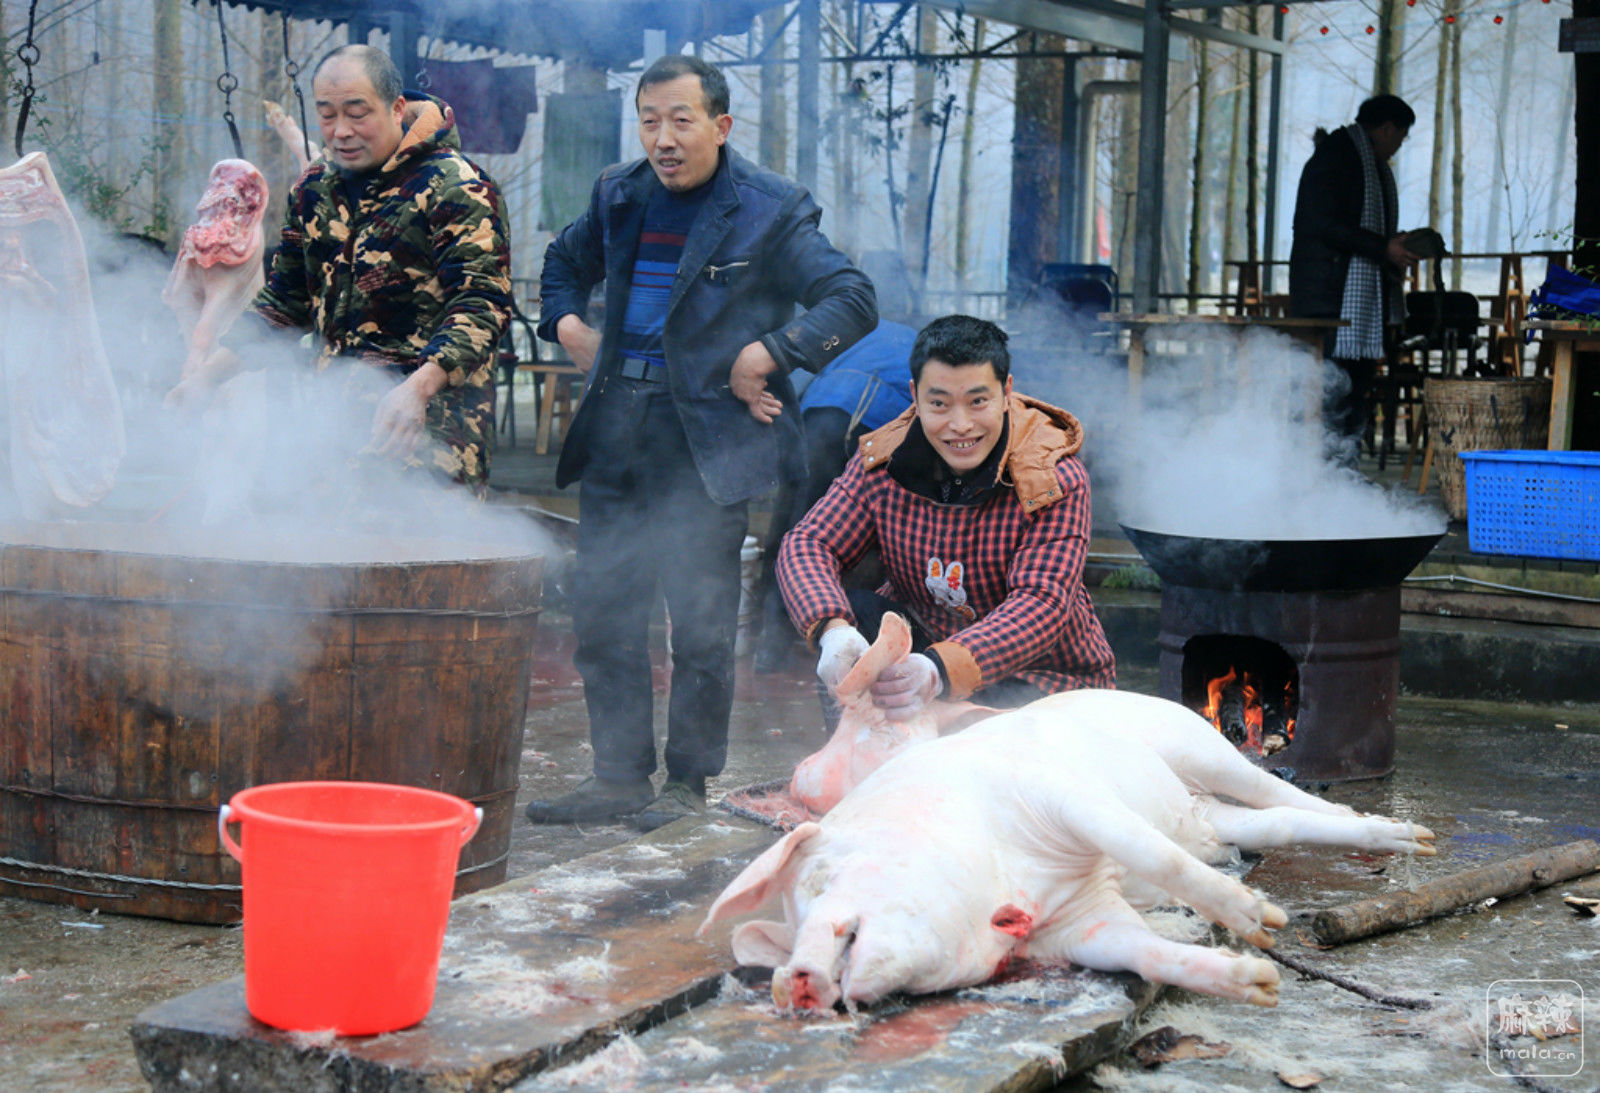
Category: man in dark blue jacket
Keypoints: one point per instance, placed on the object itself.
(688, 413)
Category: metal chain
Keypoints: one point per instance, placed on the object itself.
(228, 83)
(291, 68)
(28, 54)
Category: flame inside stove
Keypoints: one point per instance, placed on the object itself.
(1235, 705)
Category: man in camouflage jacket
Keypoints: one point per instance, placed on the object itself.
(394, 253)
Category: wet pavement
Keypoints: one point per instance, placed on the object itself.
(1492, 780)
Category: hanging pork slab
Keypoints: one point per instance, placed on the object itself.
(218, 269)
(63, 419)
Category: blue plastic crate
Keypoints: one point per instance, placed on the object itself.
(1536, 504)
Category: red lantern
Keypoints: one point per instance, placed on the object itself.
(1324, 30)
(1371, 29)
(1449, 18)
(1498, 19)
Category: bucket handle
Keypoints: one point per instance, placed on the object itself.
(224, 817)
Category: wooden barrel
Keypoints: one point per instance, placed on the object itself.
(144, 680)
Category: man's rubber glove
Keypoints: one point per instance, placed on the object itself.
(904, 689)
(840, 647)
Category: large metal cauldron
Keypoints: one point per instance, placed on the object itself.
(1328, 607)
(143, 683)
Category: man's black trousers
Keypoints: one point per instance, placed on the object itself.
(645, 521)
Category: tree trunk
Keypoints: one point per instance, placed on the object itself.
(1035, 162)
(847, 123)
(964, 172)
(166, 214)
(919, 151)
(1586, 126)
(1457, 241)
(1391, 46)
(1230, 218)
(1252, 143)
(1197, 205)
(1440, 134)
(1508, 58)
(774, 147)
(5, 84)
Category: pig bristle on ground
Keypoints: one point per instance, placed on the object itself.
(687, 1049)
(611, 1067)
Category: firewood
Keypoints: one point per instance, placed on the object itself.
(1397, 910)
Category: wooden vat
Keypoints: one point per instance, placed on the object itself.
(145, 679)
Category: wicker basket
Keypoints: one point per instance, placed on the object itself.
(1467, 415)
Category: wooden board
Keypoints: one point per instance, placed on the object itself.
(547, 970)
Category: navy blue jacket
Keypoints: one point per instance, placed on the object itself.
(754, 252)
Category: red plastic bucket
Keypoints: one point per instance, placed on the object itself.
(346, 895)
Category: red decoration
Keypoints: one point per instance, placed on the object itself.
(1498, 19)
(1283, 9)
(1371, 29)
(1449, 18)
(1324, 30)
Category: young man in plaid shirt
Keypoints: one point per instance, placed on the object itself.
(980, 509)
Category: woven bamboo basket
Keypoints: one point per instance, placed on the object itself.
(1469, 415)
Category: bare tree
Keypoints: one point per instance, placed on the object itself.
(1453, 36)
(968, 131)
(774, 146)
(919, 147)
(167, 98)
(1391, 46)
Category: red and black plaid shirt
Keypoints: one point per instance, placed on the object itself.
(1015, 607)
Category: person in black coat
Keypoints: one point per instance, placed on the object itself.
(1348, 261)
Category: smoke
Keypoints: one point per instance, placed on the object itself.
(238, 540)
(1224, 441)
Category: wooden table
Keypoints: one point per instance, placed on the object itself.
(1139, 325)
(551, 376)
(1565, 338)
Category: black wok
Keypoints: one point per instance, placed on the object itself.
(1281, 565)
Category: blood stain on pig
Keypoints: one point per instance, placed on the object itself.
(914, 1031)
(1012, 920)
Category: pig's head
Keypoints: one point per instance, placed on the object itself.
(856, 927)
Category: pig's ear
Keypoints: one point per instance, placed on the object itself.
(762, 944)
(761, 878)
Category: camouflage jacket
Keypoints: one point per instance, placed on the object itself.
(419, 270)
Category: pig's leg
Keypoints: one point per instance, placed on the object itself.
(1131, 841)
(1115, 938)
(1256, 829)
(1204, 760)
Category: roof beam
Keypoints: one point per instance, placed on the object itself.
(1109, 23)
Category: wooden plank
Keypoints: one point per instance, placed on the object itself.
(550, 969)
(1501, 607)
(1562, 405)
(1023, 1034)
(540, 969)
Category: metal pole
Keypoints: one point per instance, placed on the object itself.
(1147, 208)
(1067, 166)
(404, 30)
(806, 129)
(1274, 124)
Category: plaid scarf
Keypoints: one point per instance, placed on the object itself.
(1364, 286)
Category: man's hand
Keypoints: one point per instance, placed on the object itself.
(579, 339)
(840, 646)
(402, 414)
(748, 380)
(905, 688)
(1399, 255)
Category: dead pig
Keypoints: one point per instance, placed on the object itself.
(1034, 834)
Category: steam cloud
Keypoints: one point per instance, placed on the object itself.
(1226, 441)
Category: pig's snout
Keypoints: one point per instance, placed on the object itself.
(802, 990)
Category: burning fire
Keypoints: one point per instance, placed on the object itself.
(1234, 705)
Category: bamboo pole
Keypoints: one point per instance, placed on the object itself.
(1511, 877)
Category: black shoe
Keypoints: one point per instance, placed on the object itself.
(677, 800)
(593, 800)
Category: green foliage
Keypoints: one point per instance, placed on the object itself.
(80, 166)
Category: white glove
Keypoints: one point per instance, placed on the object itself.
(840, 648)
(905, 688)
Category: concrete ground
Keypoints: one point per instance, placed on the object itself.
(1492, 780)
